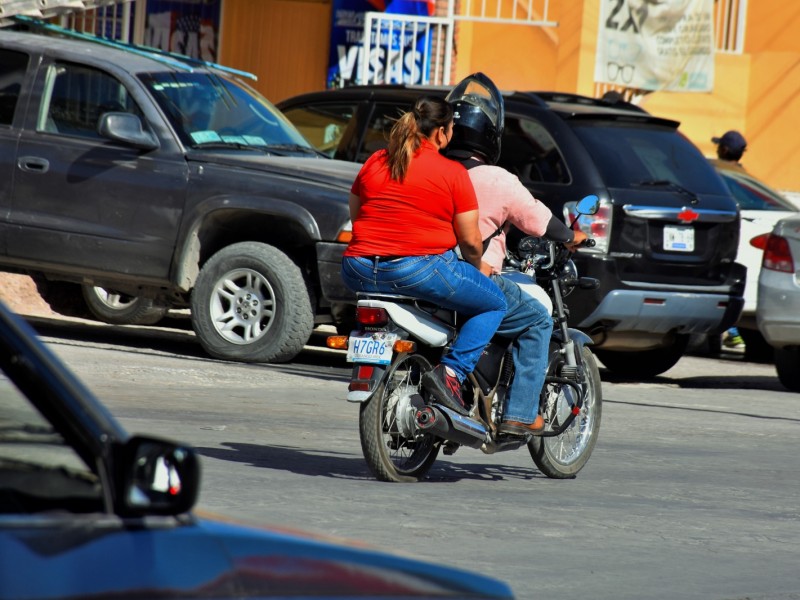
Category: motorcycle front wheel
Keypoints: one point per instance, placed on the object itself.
(394, 451)
(562, 456)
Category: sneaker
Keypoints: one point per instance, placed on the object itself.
(445, 388)
(518, 428)
(733, 341)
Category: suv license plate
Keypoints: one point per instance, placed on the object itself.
(678, 238)
(373, 348)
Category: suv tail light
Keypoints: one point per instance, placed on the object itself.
(596, 226)
(777, 255)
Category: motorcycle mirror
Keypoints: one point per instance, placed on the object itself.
(589, 205)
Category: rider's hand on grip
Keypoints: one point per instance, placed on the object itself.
(579, 239)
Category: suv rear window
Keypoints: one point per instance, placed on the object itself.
(629, 156)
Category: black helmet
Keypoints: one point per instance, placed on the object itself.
(478, 117)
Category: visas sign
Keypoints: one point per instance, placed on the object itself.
(396, 55)
(667, 45)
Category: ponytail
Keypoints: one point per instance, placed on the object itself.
(405, 138)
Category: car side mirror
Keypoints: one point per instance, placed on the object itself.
(156, 477)
(127, 129)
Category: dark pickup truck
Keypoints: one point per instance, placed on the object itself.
(172, 183)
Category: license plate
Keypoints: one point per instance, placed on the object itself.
(371, 347)
(678, 238)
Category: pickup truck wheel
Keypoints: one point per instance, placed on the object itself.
(643, 364)
(251, 304)
(116, 308)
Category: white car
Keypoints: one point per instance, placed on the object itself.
(778, 313)
(761, 207)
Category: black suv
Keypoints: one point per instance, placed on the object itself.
(666, 234)
(169, 182)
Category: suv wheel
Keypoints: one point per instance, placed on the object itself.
(251, 304)
(787, 364)
(643, 364)
(756, 348)
(116, 308)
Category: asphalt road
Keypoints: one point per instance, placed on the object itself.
(692, 491)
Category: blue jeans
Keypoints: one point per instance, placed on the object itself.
(446, 281)
(530, 325)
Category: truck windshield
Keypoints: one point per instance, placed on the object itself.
(206, 109)
(632, 156)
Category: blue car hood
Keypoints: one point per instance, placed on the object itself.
(105, 557)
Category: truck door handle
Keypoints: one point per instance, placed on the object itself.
(33, 164)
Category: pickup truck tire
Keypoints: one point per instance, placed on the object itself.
(643, 364)
(251, 304)
(116, 308)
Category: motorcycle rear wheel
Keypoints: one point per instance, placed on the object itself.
(392, 451)
(562, 456)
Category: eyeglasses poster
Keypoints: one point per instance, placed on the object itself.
(656, 46)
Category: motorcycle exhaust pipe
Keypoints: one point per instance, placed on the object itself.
(444, 423)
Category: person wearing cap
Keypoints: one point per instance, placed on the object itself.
(730, 148)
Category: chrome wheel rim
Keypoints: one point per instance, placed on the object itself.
(407, 453)
(242, 306)
(568, 447)
(113, 300)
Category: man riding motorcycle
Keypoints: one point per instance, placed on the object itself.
(503, 201)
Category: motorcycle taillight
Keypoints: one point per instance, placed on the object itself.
(368, 315)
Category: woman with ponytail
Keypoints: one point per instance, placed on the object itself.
(410, 206)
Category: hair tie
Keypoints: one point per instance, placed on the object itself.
(416, 114)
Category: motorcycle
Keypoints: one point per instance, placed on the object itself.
(403, 428)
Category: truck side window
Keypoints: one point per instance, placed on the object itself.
(12, 71)
(530, 152)
(323, 125)
(77, 96)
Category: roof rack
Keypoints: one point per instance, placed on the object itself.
(170, 58)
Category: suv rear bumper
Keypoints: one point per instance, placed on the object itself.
(661, 312)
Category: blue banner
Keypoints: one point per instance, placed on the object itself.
(347, 49)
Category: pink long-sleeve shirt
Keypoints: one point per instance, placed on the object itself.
(502, 198)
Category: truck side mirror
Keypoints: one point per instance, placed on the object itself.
(127, 129)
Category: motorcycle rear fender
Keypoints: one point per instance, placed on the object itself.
(577, 336)
(372, 381)
(417, 322)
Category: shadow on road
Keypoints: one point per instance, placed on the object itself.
(737, 381)
(159, 340)
(345, 466)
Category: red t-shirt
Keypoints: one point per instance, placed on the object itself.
(415, 217)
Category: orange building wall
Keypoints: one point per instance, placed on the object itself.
(283, 42)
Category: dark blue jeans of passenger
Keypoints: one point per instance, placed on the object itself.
(444, 280)
(530, 325)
